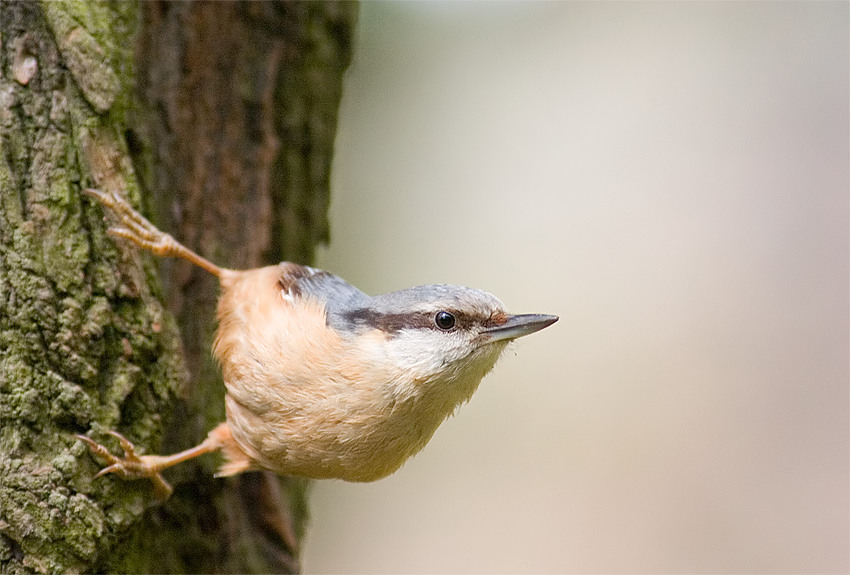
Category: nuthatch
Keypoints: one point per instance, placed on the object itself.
(324, 381)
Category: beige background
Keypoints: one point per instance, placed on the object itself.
(672, 180)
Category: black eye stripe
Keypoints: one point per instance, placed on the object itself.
(394, 322)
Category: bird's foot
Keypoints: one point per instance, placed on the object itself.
(133, 225)
(137, 229)
(132, 465)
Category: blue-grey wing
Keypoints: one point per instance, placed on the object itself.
(338, 295)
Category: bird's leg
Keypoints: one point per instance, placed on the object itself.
(134, 466)
(134, 227)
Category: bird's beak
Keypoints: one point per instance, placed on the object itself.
(518, 326)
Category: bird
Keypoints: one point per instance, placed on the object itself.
(322, 380)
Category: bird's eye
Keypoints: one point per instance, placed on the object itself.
(444, 320)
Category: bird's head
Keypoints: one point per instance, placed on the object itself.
(437, 335)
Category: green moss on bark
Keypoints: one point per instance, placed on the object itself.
(79, 352)
(85, 343)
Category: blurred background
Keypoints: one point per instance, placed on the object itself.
(672, 180)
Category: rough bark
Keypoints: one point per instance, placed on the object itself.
(219, 120)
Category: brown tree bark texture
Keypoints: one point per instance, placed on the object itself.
(219, 118)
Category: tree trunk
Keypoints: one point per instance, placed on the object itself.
(221, 124)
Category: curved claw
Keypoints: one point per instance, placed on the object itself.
(114, 468)
(97, 449)
(133, 225)
(131, 466)
(135, 228)
(126, 444)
